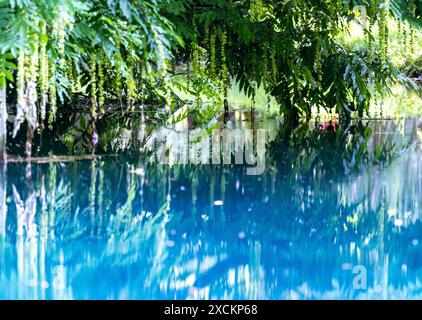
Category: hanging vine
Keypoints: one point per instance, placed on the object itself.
(255, 9)
(265, 65)
(412, 9)
(52, 94)
(43, 72)
(101, 95)
(130, 84)
(273, 65)
(118, 84)
(372, 18)
(404, 37)
(31, 96)
(213, 37)
(224, 71)
(255, 72)
(20, 90)
(369, 39)
(383, 34)
(195, 53)
(20, 81)
(93, 83)
(70, 75)
(206, 38)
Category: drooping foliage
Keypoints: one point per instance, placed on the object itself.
(58, 54)
(290, 48)
(61, 49)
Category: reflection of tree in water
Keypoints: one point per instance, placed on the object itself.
(111, 229)
(351, 147)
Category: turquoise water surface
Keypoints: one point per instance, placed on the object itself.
(335, 215)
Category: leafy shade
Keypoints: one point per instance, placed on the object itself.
(56, 54)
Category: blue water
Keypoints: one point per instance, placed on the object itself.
(324, 221)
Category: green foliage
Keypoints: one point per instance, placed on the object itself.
(308, 67)
(126, 52)
(77, 38)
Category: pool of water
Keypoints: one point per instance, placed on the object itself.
(335, 215)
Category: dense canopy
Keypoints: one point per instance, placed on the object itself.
(99, 54)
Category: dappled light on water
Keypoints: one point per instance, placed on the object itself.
(123, 227)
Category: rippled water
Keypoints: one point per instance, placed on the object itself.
(331, 217)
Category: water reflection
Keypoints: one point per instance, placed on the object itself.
(127, 228)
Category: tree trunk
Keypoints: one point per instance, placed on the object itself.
(291, 116)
